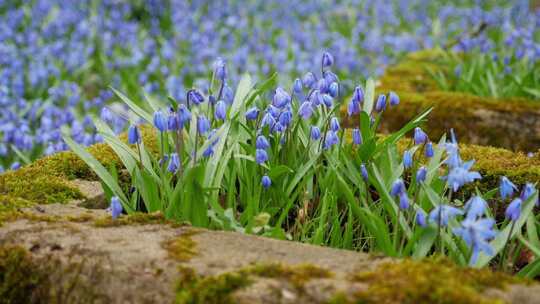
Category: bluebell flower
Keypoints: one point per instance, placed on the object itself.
(421, 218)
(221, 110)
(421, 175)
(407, 159)
(380, 105)
(506, 188)
(174, 163)
(281, 98)
(459, 176)
(316, 98)
(446, 212)
(475, 207)
(322, 85)
(261, 156)
(513, 211)
(252, 113)
(334, 124)
(285, 118)
(327, 100)
(398, 187)
(116, 207)
(203, 124)
(315, 133)
(184, 115)
(330, 77)
(172, 122)
(219, 69)
(195, 97)
(353, 107)
(331, 139)
(15, 166)
(429, 150)
(420, 137)
(333, 89)
(393, 98)
(309, 80)
(327, 60)
(134, 137)
(527, 191)
(297, 86)
(477, 233)
(266, 182)
(305, 111)
(364, 172)
(358, 95)
(268, 120)
(228, 95)
(357, 137)
(209, 151)
(262, 142)
(159, 121)
(403, 200)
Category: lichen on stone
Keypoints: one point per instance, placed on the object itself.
(183, 247)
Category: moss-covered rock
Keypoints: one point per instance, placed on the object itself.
(512, 123)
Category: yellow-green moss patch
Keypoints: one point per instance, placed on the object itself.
(138, 218)
(194, 289)
(432, 280)
(183, 247)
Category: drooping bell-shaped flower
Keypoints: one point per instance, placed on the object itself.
(261, 156)
(184, 115)
(393, 99)
(315, 133)
(358, 95)
(506, 188)
(331, 139)
(380, 105)
(219, 69)
(160, 122)
(221, 110)
(266, 182)
(403, 200)
(203, 124)
(477, 233)
(134, 136)
(305, 111)
(297, 86)
(327, 60)
(421, 175)
(174, 163)
(195, 97)
(421, 218)
(407, 159)
(420, 137)
(398, 187)
(334, 124)
(513, 211)
(475, 207)
(309, 80)
(357, 137)
(333, 89)
(364, 172)
(262, 142)
(443, 214)
(252, 113)
(281, 98)
(429, 150)
(116, 207)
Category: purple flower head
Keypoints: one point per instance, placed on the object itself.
(262, 143)
(174, 163)
(315, 133)
(333, 89)
(316, 98)
(364, 172)
(297, 86)
(281, 98)
(261, 156)
(421, 218)
(203, 124)
(513, 211)
(219, 69)
(421, 175)
(184, 115)
(334, 124)
(506, 188)
(446, 213)
(398, 187)
(221, 110)
(403, 200)
(268, 120)
(353, 107)
(459, 176)
(172, 122)
(477, 233)
(305, 111)
(195, 97)
(327, 60)
(322, 85)
(407, 159)
(527, 191)
(266, 182)
(381, 103)
(394, 99)
(429, 150)
(475, 207)
(309, 80)
(160, 122)
(331, 139)
(285, 118)
(134, 136)
(358, 95)
(357, 137)
(420, 137)
(116, 207)
(252, 113)
(328, 100)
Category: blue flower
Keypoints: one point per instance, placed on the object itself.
(133, 135)
(327, 59)
(506, 188)
(327, 100)
(219, 69)
(475, 207)
(15, 166)
(364, 172)
(459, 176)
(305, 111)
(421, 218)
(446, 213)
(116, 207)
(252, 113)
(174, 163)
(333, 89)
(358, 95)
(353, 107)
(285, 118)
(261, 156)
(184, 115)
(398, 187)
(309, 80)
(221, 110)
(403, 200)
(394, 99)
(281, 98)
(316, 98)
(322, 85)
(195, 96)
(297, 86)
(331, 139)
(527, 191)
(172, 122)
(334, 124)
(262, 143)
(421, 175)
(429, 150)
(420, 137)
(268, 120)
(513, 211)
(407, 159)
(266, 182)
(381, 103)
(357, 137)
(159, 121)
(477, 233)
(203, 124)
(315, 133)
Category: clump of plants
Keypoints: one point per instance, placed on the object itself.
(276, 162)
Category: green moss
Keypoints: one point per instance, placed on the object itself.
(182, 248)
(193, 289)
(433, 280)
(138, 218)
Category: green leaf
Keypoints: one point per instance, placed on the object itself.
(133, 106)
(369, 96)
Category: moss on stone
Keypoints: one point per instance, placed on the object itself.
(138, 218)
(433, 280)
(183, 247)
(194, 289)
